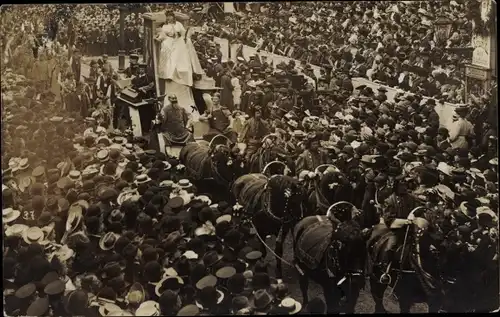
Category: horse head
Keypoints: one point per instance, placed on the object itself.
(224, 163)
(349, 245)
(330, 183)
(286, 196)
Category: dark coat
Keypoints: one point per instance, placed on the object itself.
(226, 96)
(76, 68)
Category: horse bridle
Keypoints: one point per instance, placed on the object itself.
(267, 207)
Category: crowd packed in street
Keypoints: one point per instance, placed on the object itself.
(97, 223)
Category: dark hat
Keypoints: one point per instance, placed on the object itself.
(236, 283)
(189, 310)
(168, 300)
(107, 293)
(262, 299)
(207, 281)
(153, 271)
(77, 302)
(261, 281)
(173, 283)
(134, 56)
(208, 297)
(111, 270)
(26, 291)
(55, 288)
(211, 258)
(316, 306)
(39, 307)
(347, 149)
(175, 203)
(49, 278)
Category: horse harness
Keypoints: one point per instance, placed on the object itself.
(332, 260)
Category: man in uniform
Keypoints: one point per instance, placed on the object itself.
(312, 156)
(143, 83)
(133, 69)
(174, 123)
(253, 132)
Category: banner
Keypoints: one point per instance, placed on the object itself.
(445, 111)
(224, 47)
(274, 58)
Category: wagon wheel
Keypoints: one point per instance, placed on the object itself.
(218, 136)
(286, 170)
(340, 208)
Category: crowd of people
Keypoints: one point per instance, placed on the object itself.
(97, 223)
(393, 43)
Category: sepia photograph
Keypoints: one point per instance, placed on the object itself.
(249, 158)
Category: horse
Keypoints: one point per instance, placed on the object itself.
(211, 165)
(330, 185)
(272, 205)
(416, 263)
(269, 152)
(331, 251)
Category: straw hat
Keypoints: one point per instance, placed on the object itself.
(10, 215)
(108, 309)
(34, 235)
(107, 241)
(184, 183)
(148, 308)
(142, 179)
(291, 305)
(16, 230)
(203, 198)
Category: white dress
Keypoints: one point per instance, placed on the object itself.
(178, 60)
(235, 82)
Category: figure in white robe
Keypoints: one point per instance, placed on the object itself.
(178, 60)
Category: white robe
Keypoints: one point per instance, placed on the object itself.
(235, 82)
(178, 60)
